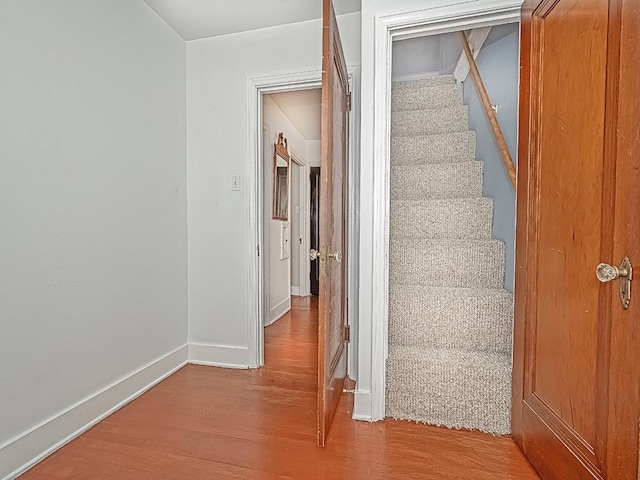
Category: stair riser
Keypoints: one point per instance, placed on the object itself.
(446, 264)
(429, 122)
(440, 318)
(442, 219)
(454, 180)
(428, 149)
(449, 394)
(426, 96)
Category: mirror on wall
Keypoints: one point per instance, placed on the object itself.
(281, 162)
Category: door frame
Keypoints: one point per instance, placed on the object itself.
(440, 17)
(256, 307)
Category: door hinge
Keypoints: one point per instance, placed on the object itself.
(347, 333)
(349, 101)
(258, 248)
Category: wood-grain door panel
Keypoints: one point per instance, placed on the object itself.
(567, 389)
(332, 352)
(569, 131)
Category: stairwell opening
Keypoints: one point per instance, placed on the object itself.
(451, 233)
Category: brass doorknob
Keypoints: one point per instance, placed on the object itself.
(624, 272)
(337, 256)
(606, 272)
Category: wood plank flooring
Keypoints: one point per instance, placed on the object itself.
(214, 423)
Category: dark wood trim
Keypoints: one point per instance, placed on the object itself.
(541, 443)
(536, 408)
(623, 430)
(331, 360)
(523, 189)
(608, 225)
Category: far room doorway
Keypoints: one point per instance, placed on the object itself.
(294, 117)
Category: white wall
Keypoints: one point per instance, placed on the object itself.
(499, 66)
(314, 153)
(425, 56)
(218, 70)
(93, 288)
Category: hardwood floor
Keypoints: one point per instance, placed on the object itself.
(214, 423)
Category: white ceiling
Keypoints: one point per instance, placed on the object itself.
(194, 19)
(303, 108)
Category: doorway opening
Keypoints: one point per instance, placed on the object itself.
(452, 205)
(437, 19)
(292, 117)
(314, 234)
(260, 141)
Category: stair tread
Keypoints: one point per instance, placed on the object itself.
(427, 96)
(478, 358)
(437, 202)
(463, 181)
(458, 291)
(433, 148)
(449, 110)
(436, 181)
(451, 218)
(433, 80)
(460, 318)
(440, 136)
(456, 242)
(443, 136)
(446, 262)
(429, 121)
(454, 388)
(399, 88)
(445, 164)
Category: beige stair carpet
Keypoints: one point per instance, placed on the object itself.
(450, 319)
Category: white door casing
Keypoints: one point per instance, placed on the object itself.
(256, 87)
(439, 17)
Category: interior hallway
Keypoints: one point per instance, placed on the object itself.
(214, 423)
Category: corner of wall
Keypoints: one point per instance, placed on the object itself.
(228, 356)
(362, 406)
(21, 453)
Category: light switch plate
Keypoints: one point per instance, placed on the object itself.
(235, 183)
(284, 243)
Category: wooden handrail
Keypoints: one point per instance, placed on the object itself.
(491, 114)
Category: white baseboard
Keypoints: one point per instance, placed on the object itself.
(295, 291)
(278, 311)
(219, 355)
(21, 453)
(362, 406)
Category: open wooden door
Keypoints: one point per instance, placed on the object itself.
(332, 352)
(576, 390)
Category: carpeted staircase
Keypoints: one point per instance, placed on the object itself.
(450, 319)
